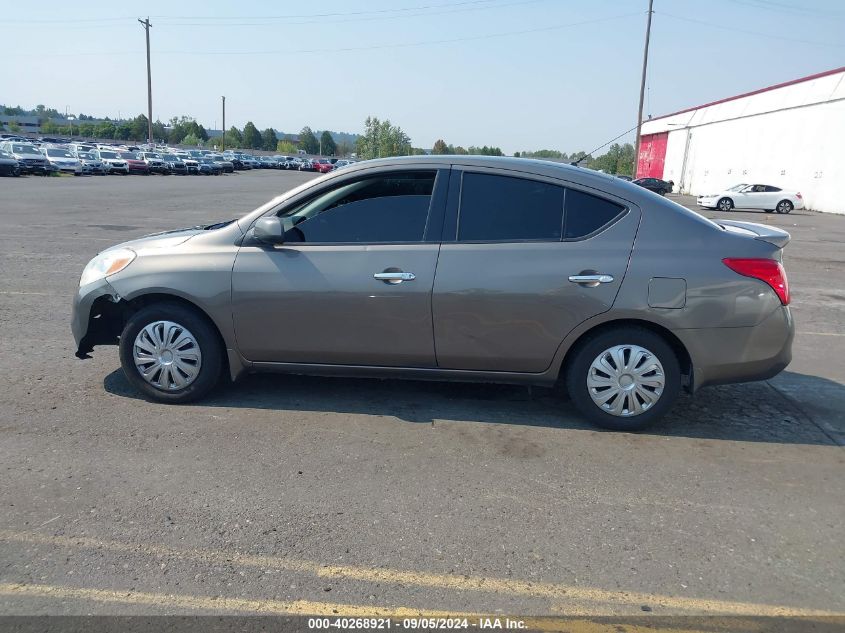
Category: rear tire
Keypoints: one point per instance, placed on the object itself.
(784, 206)
(626, 396)
(725, 204)
(176, 373)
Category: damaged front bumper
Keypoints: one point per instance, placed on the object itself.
(91, 323)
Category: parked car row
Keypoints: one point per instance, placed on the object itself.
(25, 156)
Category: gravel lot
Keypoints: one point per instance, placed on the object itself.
(294, 494)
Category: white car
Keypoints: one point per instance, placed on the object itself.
(114, 163)
(745, 196)
(63, 160)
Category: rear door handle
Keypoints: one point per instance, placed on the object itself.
(591, 281)
(394, 277)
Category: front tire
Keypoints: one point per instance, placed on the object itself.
(784, 206)
(171, 353)
(624, 379)
(725, 204)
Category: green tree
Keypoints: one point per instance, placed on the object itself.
(123, 131)
(285, 147)
(440, 147)
(14, 127)
(344, 148)
(191, 139)
(382, 139)
(308, 141)
(159, 133)
(234, 138)
(327, 144)
(251, 136)
(139, 128)
(87, 129)
(269, 139)
(48, 127)
(105, 129)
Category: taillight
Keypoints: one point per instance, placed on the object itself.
(799, 196)
(768, 270)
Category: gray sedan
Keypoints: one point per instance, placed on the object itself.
(452, 268)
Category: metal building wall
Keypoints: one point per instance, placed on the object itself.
(789, 136)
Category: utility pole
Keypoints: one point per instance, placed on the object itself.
(146, 24)
(642, 88)
(223, 138)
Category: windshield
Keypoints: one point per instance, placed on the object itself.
(24, 149)
(108, 155)
(59, 153)
(738, 187)
(172, 157)
(151, 155)
(128, 155)
(87, 156)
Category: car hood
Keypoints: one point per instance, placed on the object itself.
(169, 239)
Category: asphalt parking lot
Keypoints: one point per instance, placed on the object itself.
(319, 495)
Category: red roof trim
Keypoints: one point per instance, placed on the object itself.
(753, 92)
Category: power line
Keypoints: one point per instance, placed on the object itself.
(780, 7)
(325, 15)
(345, 20)
(412, 44)
(357, 48)
(225, 19)
(768, 36)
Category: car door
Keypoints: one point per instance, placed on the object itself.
(524, 260)
(757, 197)
(744, 198)
(352, 282)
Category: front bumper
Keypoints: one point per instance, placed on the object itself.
(85, 324)
(740, 354)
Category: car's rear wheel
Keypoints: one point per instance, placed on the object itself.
(662, 192)
(725, 204)
(624, 379)
(171, 353)
(785, 206)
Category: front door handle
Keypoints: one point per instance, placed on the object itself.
(394, 277)
(591, 281)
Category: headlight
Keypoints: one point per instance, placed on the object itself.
(107, 263)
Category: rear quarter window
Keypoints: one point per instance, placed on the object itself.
(586, 214)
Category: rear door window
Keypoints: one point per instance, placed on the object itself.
(497, 208)
(503, 208)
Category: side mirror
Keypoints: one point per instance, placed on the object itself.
(272, 229)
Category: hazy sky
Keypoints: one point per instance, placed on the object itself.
(520, 74)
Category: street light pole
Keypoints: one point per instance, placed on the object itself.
(223, 137)
(642, 89)
(147, 26)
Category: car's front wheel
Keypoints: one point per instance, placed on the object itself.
(624, 379)
(171, 353)
(725, 204)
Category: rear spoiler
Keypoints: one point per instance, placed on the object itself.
(761, 232)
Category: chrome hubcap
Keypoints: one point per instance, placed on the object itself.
(167, 355)
(625, 380)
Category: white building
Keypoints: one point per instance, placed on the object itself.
(791, 135)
